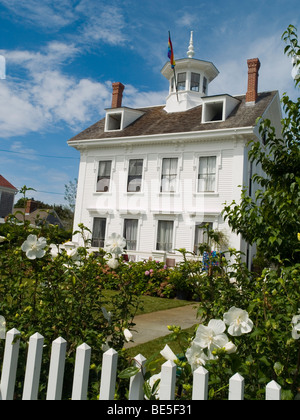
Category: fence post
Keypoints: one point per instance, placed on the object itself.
(273, 391)
(10, 362)
(200, 384)
(81, 372)
(33, 367)
(108, 375)
(236, 387)
(168, 380)
(56, 370)
(136, 390)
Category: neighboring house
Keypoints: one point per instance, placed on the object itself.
(7, 197)
(36, 216)
(157, 174)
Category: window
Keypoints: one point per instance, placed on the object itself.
(195, 82)
(165, 236)
(181, 81)
(113, 122)
(169, 175)
(135, 172)
(98, 235)
(103, 179)
(205, 85)
(213, 111)
(130, 233)
(207, 174)
(201, 235)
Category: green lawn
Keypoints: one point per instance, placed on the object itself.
(152, 304)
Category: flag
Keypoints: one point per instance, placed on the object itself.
(171, 53)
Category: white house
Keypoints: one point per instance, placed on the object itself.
(7, 198)
(157, 174)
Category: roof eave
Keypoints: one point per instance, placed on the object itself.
(169, 137)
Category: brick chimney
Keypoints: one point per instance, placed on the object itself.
(31, 205)
(117, 95)
(253, 67)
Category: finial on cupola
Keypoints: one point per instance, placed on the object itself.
(191, 52)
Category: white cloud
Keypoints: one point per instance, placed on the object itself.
(47, 95)
(48, 14)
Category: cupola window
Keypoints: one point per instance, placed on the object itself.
(195, 82)
(181, 78)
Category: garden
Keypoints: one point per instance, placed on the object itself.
(248, 321)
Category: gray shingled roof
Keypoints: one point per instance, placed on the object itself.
(157, 121)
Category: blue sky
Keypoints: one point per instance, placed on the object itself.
(62, 56)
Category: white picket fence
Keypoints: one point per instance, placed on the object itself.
(108, 374)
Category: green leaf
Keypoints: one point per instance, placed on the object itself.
(127, 373)
(278, 368)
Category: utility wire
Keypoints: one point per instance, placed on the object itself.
(36, 154)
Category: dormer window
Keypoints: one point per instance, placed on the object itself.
(181, 78)
(114, 121)
(195, 82)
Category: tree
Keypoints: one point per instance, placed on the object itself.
(70, 193)
(271, 219)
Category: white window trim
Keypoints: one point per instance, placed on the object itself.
(97, 160)
(196, 164)
(126, 170)
(140, 222)
(179, 158)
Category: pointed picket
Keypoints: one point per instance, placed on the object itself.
(56, 370)
(273, 391)
(81, 372)
(136, 390)
(200, 384)
(33, 367)
(168, 380)
(10, 362)
(236, 387)
(108, 375)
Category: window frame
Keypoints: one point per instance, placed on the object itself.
(205, 190)
(169, 249)
(195, 84)
(166, 176)
(135, 176)
(93, 232)
(104, 176)
(137, 233)
(180, 85)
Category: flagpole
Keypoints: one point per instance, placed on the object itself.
(173, 66)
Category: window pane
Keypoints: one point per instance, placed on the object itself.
(98, 235)
(169, 175)
(201, 235)
(204, 85)
(103, 180)
(181, 81)
(207, 174)
(195, 82)
(165, 236)
(135, 171)
(130, 233)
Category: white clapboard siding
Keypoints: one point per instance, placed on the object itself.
(108, 379)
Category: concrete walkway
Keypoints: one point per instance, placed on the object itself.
(154, 325)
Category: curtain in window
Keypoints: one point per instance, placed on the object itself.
(135, 172)
(130, 233)
(165, 235)
(104, 172)
(207, 174)
(169, 175)
(98, 235)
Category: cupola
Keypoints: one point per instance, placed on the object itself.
(188, 81)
